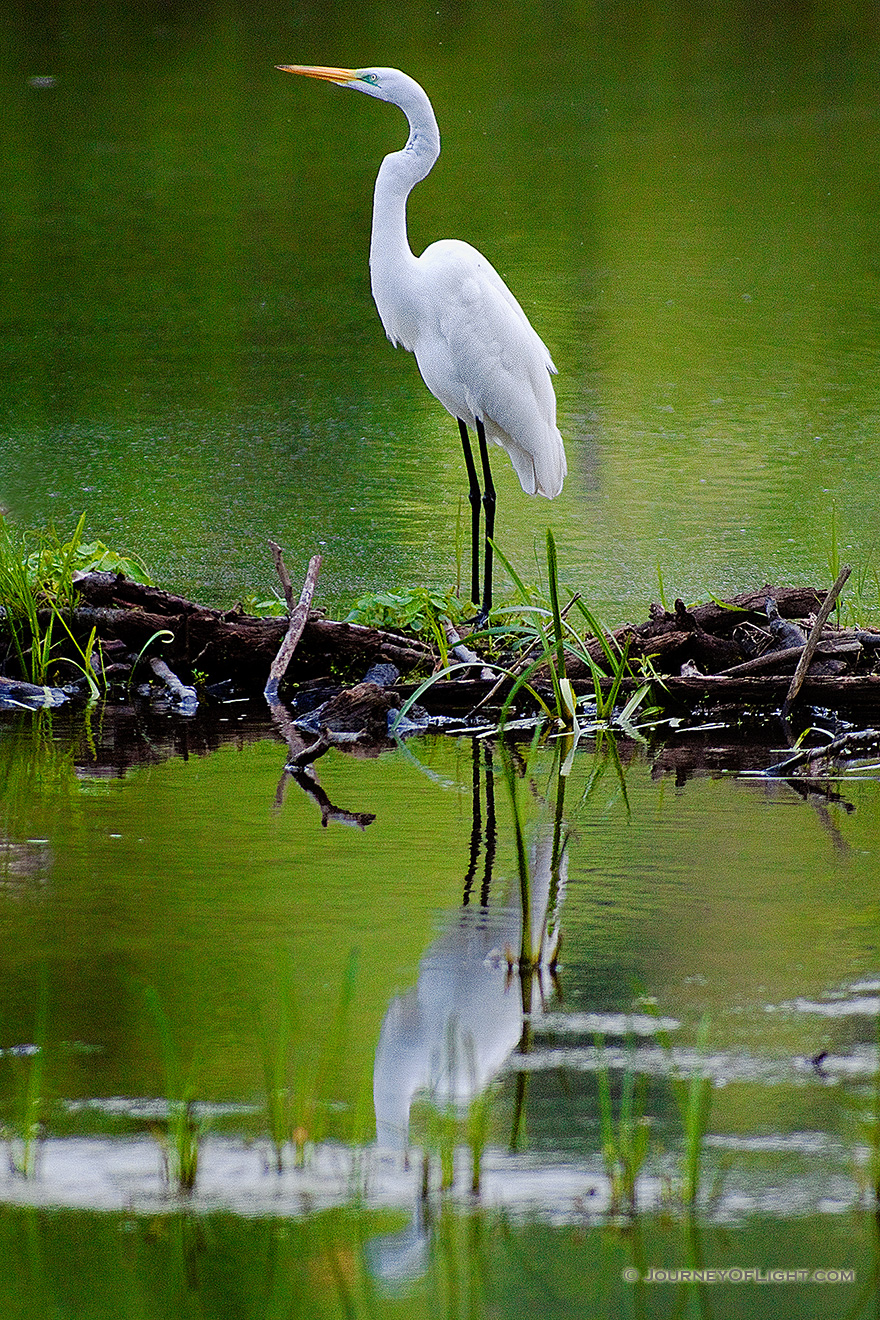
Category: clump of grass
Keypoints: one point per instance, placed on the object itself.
(299, 1092)
(448, 1123)
(624, 1141)
(38, 590)
(441, 1132)
(559, 639)
(528, 635)
(29, 1062)
(477, 1134)
(694, 1099)
(182, 1132)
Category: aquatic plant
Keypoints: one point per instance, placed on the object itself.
(264, 607)
(300, 1092)
(420, 610)
(447, 1122)
(38, 590)
(561, 640)
(624, 1141)
(23, 1130)
(477, 1134)
(532, 635)
(183, 1129)
(693, 1096)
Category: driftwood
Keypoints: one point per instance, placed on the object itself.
(722, 654)
(229, 643)
(299, 615)
(184, 697)
(812, 641)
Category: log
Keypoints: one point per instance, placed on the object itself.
(229, 643)
(232, 646)
(360, 711)
(185, 698)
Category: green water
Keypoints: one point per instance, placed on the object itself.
(685, 200)
(181, 1267)
(210, 878)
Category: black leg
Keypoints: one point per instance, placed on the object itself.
(474, 499)
(489, 510)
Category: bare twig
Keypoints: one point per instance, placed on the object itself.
(284, 576)
(813, 640)
(298, 618)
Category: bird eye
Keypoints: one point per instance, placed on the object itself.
(370, 78)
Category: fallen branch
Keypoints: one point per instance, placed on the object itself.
(813, 755)
(777, 660)
(813, 640)
(298, 618)
(185, 698)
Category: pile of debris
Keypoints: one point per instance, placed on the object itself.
(761, 650)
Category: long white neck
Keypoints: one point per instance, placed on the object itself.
(391, 259)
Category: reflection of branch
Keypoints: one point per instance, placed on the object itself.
(308, 783)
(300, 756)
(298, 760)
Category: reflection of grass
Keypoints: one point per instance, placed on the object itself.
(23, 1130)
(300, 1093)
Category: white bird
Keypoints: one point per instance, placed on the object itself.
(474, 345)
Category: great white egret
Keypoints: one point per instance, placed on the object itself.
(474, 345)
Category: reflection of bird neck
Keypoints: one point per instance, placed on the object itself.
(391, 258)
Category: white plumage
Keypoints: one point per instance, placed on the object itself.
(475, 348)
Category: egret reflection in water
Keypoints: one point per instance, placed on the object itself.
(452, 1033)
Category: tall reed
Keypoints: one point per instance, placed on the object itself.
(300, 1090)
(183, 1129)
(624, 1141)
(29, 1063)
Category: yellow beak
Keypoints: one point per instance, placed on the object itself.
(340, 76)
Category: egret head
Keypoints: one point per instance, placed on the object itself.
(386, 84)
